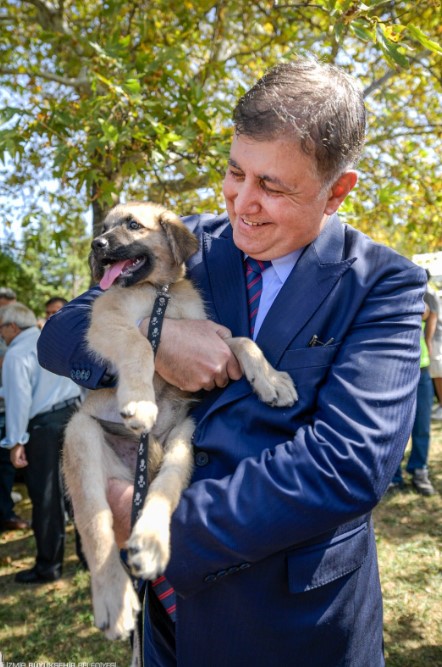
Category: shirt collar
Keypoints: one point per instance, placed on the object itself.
(284, 265)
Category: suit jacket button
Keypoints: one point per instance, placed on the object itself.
(210, 578)
(201, 459)
(221, 573)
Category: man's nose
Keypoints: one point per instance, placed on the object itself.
(247, 200)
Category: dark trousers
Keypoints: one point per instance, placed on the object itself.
(7, 477)
(45, 487)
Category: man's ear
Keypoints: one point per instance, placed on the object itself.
(339, 190)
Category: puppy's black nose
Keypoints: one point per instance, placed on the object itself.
(99, 243)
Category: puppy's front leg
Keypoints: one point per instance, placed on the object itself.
(132, 356)
(273, 387)
(135, 392)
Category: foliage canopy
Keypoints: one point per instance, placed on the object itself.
(132, 99)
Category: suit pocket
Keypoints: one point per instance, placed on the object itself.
(308, 357)
(309, 368)
(319, 564)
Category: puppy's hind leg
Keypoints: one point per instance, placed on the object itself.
(86, 468)
(149, 544)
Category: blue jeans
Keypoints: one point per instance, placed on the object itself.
(420, 435)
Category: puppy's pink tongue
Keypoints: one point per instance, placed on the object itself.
(112, 273)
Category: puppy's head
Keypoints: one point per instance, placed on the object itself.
(140, 242)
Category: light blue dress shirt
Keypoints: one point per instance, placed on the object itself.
(273, 279)
(29, 390)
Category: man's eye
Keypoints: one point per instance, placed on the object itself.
(236, 174)
(270, 191)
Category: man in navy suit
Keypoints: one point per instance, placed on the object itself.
(273, 551)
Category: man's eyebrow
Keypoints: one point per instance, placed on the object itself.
(232, 163)
(263, 177)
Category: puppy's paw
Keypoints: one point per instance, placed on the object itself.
(275, 388)
(116, 605)
(139, 416)
(148, 553)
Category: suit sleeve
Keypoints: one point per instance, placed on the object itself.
(338, 464)
(62, 347)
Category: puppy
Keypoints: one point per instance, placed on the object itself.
(142, 248)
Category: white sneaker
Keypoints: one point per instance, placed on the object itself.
(437, 414)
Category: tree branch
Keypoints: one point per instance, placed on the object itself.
(81, 83)
(418, 130)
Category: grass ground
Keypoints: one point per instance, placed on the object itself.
(53, 623)
(409, 536)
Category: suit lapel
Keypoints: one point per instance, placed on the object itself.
(312, 279)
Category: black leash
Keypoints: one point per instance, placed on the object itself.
(153, 336)
(140, 482)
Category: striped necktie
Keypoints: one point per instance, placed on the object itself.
(166, 595)
(254, 269)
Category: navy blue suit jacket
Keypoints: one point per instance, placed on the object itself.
(273, 552)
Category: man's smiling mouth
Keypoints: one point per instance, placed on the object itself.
(250, 223)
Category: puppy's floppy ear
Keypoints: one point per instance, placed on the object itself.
(182, 242)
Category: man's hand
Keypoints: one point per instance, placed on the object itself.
(18, 456)
(119, 497)
(192, 354)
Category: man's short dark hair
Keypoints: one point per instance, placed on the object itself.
(317, 104)
(55, 299)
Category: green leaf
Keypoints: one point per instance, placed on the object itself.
(361, 31)
(132, 86)
(9, 112)
(392, 52)
(423, 39)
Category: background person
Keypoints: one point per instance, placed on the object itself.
(38, 406)
(273, 553)
(53, 305)
(9, 520)
(435, 349)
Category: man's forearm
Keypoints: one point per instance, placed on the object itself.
(62, 347)
(193, 355)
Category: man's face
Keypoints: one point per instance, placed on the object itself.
(8, 332)
(275, 200)
(53, 308)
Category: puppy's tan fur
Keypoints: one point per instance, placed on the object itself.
(142, 401)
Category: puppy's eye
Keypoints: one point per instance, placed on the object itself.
(132, 224)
